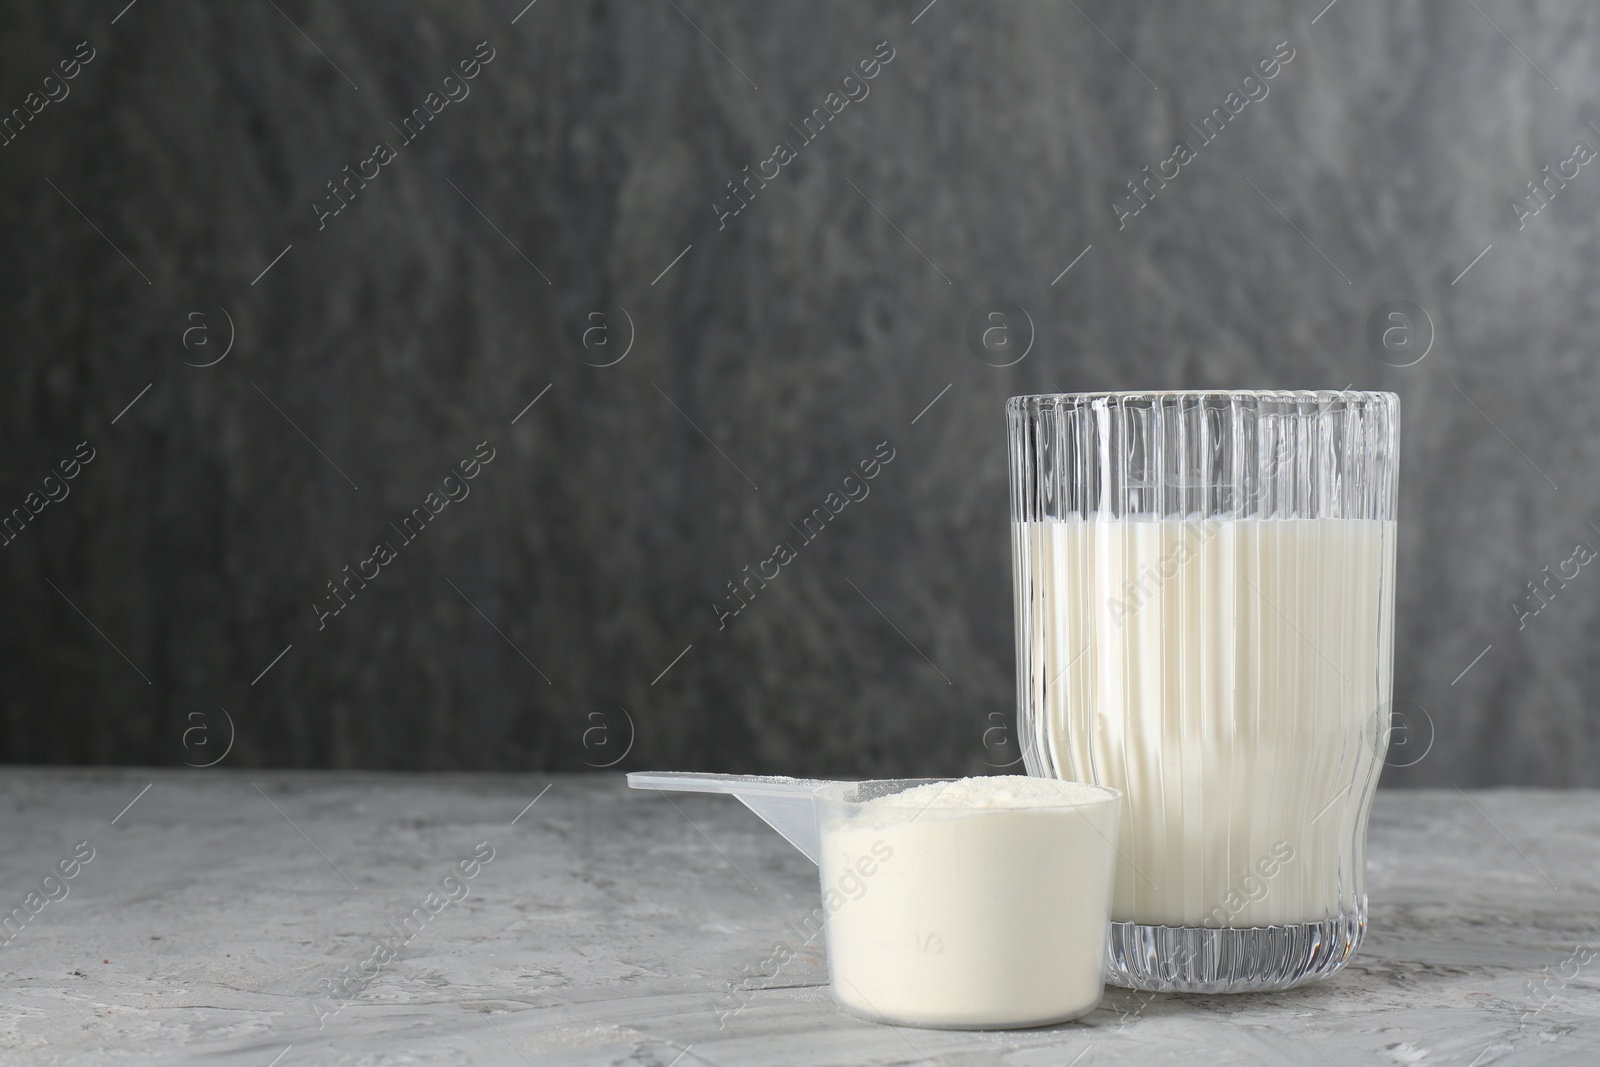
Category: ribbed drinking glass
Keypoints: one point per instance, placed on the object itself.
(1204, 613)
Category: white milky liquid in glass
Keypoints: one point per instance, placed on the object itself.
(1232, 679)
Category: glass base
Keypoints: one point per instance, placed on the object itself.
(1200, 959)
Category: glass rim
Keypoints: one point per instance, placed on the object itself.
(833, 792)
(1156, 394)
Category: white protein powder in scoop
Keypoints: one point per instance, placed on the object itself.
(979, 903)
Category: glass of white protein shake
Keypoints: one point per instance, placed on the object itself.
(1204, 615)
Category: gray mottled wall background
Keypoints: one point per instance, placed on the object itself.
(165, 207)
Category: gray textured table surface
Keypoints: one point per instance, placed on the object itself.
(610, 926)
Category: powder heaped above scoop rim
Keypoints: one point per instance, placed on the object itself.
(1003, 792)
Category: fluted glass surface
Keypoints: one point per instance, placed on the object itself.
(1204, 611)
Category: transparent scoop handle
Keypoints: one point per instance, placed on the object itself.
(784, 804)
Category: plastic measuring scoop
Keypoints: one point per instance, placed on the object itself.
(992, 913)
(785, 804)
